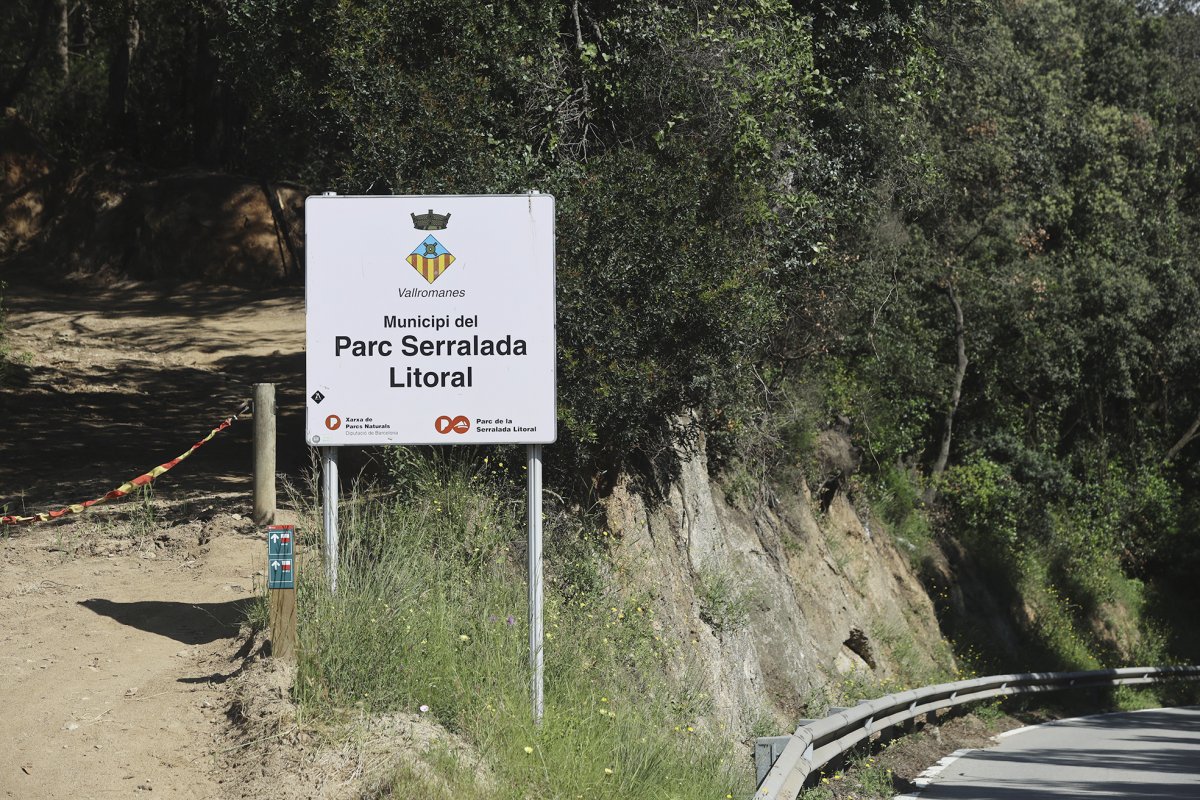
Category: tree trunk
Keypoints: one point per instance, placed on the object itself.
(21, 79)
(121, 124)
(283, 231)
(218, 114)
(207, 112)
(578, 28)
(62, 38)
(960, 372)
(1184, 440)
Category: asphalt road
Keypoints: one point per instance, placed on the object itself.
(1145, 755)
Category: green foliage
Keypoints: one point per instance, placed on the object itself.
(985, 500)
(398, 96)
(989, 711)
(774, 445)
(1024, 178)
(862, 776)
(1082, 609)
(873, 779)
(644, 344)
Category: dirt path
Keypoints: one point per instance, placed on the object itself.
(118, 628)
(112, 663)
(108, 384)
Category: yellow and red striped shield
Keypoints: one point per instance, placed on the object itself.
(430, 259)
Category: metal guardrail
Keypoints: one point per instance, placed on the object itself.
(785, 762)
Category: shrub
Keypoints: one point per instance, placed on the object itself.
(985, 501)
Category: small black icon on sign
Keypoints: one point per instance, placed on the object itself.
(317, 397)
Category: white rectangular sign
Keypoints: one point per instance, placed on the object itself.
(430, 320)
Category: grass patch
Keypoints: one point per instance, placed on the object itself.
(990, 711)
(910, 664)
(430, 617)
(440, 775)
(724, 605)
(897, 495)
(258, 611)
(145, 517)
(862, 777)
(1135, 698)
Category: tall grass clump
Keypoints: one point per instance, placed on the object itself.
(430, 618)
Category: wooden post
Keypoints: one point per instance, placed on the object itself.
(283, 623)
(264, 453)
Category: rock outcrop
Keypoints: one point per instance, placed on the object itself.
(810, 598)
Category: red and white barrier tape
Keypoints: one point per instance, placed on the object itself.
(126, 488)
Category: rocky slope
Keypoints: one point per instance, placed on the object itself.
(780, 603)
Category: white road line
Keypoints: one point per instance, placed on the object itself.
(926, 777)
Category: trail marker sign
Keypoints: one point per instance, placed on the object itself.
(281, 580)
(430, 320)
(281, 562)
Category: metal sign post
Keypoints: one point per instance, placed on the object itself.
(329, 509)
(533, 457)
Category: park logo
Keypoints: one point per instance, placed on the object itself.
(430, 258)
(445, 424)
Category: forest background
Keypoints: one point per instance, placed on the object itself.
(966, 234)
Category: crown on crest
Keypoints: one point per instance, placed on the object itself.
(430, 221)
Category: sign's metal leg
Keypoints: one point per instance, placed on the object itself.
(329, 496)
(534, 505)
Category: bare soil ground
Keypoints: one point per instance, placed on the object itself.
(114, 652)
(119, 626)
